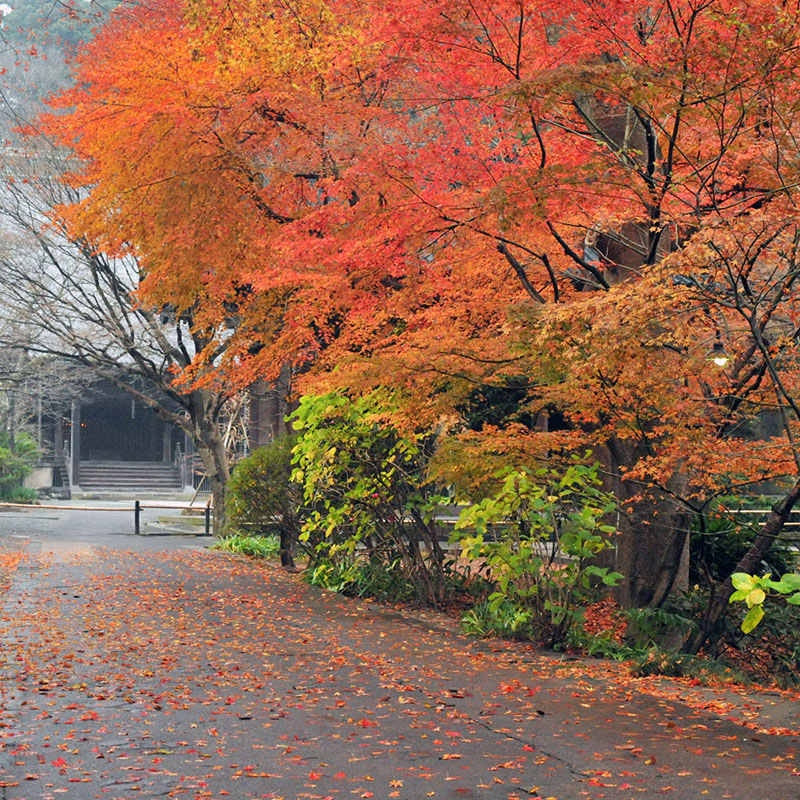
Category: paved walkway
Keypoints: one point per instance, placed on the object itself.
(141, 667)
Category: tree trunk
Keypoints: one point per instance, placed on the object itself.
(287, 548)
(210, 446)
(749, 563)
(649, 551)
(653, 532)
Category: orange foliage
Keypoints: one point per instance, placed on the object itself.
(446, 196)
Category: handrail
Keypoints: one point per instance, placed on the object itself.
(33, 506)
(137, 509)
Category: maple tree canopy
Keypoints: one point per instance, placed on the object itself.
(580, 201)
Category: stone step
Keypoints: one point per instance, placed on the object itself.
(99, 481)
(132, 472)
(127, 466)
(129, 475)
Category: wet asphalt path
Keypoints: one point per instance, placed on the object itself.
(136, 667)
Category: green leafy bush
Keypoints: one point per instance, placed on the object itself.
(22, 494)
(366, 485)
(15, 467)
(651, 627)
(262, 499)
(253, 546)
(502, 619)
(753, 590)
(360, 577)
(538, 537)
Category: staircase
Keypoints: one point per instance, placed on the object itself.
(128, 476)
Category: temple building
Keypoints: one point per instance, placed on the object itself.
(109, 441)
(106, 440)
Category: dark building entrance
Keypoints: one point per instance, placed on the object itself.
(123, 430)
(118, 443)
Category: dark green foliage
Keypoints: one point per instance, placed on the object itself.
(723, 534)
(496, 405)
(21, 494)
(253, 546)
(262, 499)
(15, 467)
(651, 627)
(362, 577)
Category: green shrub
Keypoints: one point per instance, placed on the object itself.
(651, 627)
(503, 619)
(262, 499)
(22, 494)
(538, 536)
(253, 546)
(361, 578)
(15, 467)
(722, 535)
(366, 485)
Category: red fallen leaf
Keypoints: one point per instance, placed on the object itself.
(339, 775)
(367, 723)
(31, 776)
(314, 776)
(59, 762)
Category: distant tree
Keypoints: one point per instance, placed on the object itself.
(61, 298)
(31, 25)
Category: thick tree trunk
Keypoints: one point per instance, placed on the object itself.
(749, 563)
(649, 556)
(653, 533)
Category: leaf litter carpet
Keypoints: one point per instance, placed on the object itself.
(195, 674)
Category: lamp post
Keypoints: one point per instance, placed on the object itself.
(718, 354)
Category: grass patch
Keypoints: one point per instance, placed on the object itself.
(246, 545)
